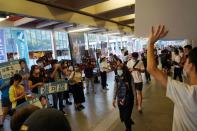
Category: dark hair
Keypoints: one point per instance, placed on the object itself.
(192, 57)
(102, 59)
(20, 116)
(181, 49)
(16, 77)
(32, 69)
(42, 96)
(23, 60)
(188, 47)
(126, 53)
(176, 51)
(135, 54)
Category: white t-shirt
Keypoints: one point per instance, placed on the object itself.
(184, 97)
(137, 76)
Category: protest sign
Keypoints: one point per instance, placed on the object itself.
(54, 87)
(8, 69)
(35, 102)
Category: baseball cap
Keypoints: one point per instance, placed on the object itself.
(46, 120)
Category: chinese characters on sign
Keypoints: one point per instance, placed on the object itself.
(54, 87)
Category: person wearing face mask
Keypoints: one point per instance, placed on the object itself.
(76, 83)
(17, 93)
(136, 67)
(35, 79)
(123, 95)
(24, 72)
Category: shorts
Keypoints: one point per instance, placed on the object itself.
(5, 102)
(139, 86)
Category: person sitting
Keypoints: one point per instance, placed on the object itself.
(183, 95)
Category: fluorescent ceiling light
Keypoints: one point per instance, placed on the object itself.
(3, 18)
(80, 30)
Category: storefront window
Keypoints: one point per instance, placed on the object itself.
(62, 46)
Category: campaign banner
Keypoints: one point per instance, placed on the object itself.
(3, 55)
(8, 69)
(53, 87)
(22, 45)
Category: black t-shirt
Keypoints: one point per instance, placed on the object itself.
(34, 81)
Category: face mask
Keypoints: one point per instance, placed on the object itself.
(120, 72)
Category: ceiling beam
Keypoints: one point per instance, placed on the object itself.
(46, 23)
(107, 6)
(63, 25)
(23, 21)
(127, 22)
(122, 18)
(127, 10)
(51, 12)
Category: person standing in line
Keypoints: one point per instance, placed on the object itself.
(89, 76)
(123, 95)
(183, 95)
(177, 65)
(76, 83)
(24, 72)
(55, 75)
(104, 68)
(35, 79)
(144, 59)
(65, 75)
(136, 67)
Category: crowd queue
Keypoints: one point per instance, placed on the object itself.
(129, 81)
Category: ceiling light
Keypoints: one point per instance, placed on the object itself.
(80, 30)
(2, 18)
(115, 33)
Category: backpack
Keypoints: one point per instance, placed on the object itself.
(122, 93)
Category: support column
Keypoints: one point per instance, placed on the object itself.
(54, 47)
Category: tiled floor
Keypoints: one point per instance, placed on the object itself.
(99, 115)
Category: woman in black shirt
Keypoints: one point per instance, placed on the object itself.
(35, 79)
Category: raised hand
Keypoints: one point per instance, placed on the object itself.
(160, 32)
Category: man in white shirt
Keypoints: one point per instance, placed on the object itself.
(136, 67)
(183, 95)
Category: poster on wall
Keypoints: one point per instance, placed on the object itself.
(3, 55)
(22, 44)
(8, 69)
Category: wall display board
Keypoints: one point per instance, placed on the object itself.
(8, 69)
(179, 16)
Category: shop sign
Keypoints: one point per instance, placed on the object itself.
(53, 87)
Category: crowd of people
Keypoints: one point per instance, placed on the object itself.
(128, 69)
